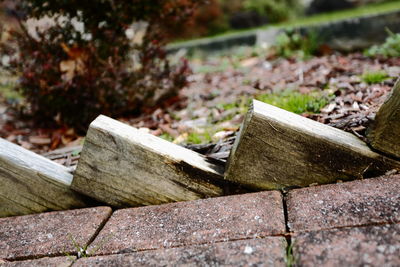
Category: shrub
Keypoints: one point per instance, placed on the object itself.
(294, 44)
(76, 59)
(275, 10)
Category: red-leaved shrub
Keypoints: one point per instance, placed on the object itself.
(77, 59)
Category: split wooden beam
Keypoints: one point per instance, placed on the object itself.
(30, 183)
(277, 149)
(384, 133)
(125, 167)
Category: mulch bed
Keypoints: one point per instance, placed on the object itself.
(202, 105)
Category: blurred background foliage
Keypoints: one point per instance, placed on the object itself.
(219, 16)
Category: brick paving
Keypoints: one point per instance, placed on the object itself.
(194, 222)
(269, 251)
(350, 224)
(49, 234)
(358, 246)
(356, 203)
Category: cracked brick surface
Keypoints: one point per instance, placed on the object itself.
(360, 246)
(362, 202)
(268, 251)
(49, 234)
(195, 222)
(43, 262)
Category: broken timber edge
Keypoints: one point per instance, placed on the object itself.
(124, 167)
(384, 133)
(30, 183)
(277, 149)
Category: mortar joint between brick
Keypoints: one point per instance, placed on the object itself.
(285, 235)
(288, 234)
(36, 257)
(285, 211)
(346, 227)
(99, 228)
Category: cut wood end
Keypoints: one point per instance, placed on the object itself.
(278, 149)
(384, 132)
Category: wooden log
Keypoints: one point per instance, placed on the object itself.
(30, 183)
(277, 149)
(384, 133)
(125, 167)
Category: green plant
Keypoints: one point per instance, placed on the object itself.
(167, 136)
(7, 91)
(240, 106)
(292, 43)
(275, 10)
(94, 57)
(296, 102)
(374, 77)
(289, 257)
(391, 47)
(199, 138)
(82, 251)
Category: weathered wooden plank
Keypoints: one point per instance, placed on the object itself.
(384, 133)
(278, 149)
(30, 183)
(123, 166)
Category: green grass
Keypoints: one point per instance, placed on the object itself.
(289, 259)
(241, 104)
(82, 250)
(192, 137)
(296, 102)
(199, 138)
(311, 20)
(374, 77)
(167, 136)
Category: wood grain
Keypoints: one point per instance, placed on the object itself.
(125, 167)
(278, 149)
(384, 133)
(30, 183)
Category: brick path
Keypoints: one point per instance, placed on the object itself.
(349, 224)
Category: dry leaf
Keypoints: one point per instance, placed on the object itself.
(39, 140)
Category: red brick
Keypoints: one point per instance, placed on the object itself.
(49, 234)
(268, 251)
(362, 202)
(194, 222)
(43, 262)
(360, 246)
